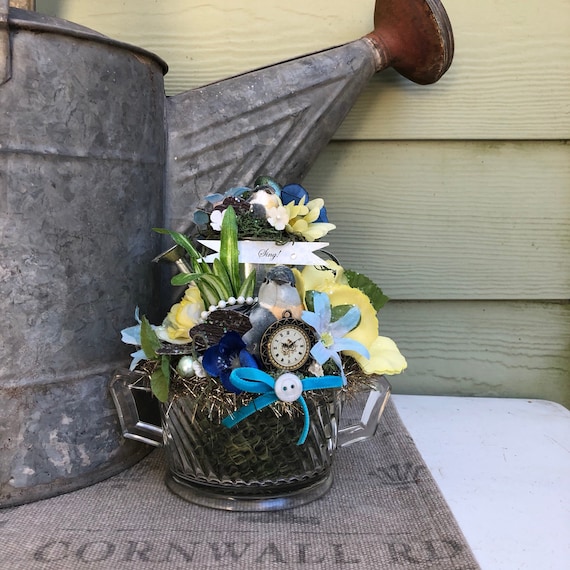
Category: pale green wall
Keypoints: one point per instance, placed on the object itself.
(455, 197)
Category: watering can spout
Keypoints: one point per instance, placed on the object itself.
(277, 119)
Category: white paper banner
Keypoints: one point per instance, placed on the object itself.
(290, 253)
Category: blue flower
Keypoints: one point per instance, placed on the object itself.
(219, 360)
(132, 335)
(295, 193)
(331, 334)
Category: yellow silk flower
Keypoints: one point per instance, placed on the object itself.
(182, 317)
(385, 358)
(302, 219)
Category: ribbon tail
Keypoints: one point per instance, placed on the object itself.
(322, 382)
(258, 404)
(305, 432)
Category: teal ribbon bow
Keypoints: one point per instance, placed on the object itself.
(290, 389)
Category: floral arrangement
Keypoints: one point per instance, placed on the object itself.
(264, 322)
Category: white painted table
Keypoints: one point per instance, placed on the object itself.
(503, 465)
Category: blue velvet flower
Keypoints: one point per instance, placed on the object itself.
(295, 193)
(219, 360)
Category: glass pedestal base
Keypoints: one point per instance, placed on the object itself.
(285, 498)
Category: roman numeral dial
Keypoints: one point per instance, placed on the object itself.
(286, 344)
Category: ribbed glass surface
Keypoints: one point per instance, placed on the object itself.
(258, 456)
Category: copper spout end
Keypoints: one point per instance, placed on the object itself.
(414, 37)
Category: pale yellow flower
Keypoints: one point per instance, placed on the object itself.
(385, 358)
(315, 276)
(314, 207)
(302, 219)
(182, 317)
(297, 210)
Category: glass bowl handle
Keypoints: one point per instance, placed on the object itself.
(363, 425)
(138, 409)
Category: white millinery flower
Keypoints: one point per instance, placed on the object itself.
(277, 217)
(216, 218)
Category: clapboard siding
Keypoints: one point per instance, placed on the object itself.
(510, 78)
(508, 349)
(451, 220)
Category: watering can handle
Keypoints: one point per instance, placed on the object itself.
(137, 408)
(5, 51)
(362, 413)
(5, 54)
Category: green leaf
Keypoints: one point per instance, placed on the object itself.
(248, 286)
(309, 300)
(182, 240)
(202, 267)
(229, 252)
(368, 287)
(221, 273)
(185, 278)
(149, 341)
(338, 311)
(160, 380)
(212, 281)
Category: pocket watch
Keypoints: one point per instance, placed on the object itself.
(286, 344)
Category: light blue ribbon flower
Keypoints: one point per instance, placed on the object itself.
(331, 333)
(132, 335)
(287, 388)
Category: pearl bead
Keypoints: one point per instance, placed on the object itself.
(185, 367)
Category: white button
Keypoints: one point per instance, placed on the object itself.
(288, 387)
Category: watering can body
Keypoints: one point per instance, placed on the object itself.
(81, 177)
(92, 156)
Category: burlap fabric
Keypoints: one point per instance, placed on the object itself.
(383, 511)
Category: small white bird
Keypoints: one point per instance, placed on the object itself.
(278, 298)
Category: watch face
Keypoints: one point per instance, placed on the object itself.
(287, 344)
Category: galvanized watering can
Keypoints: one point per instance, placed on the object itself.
(92, 155)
